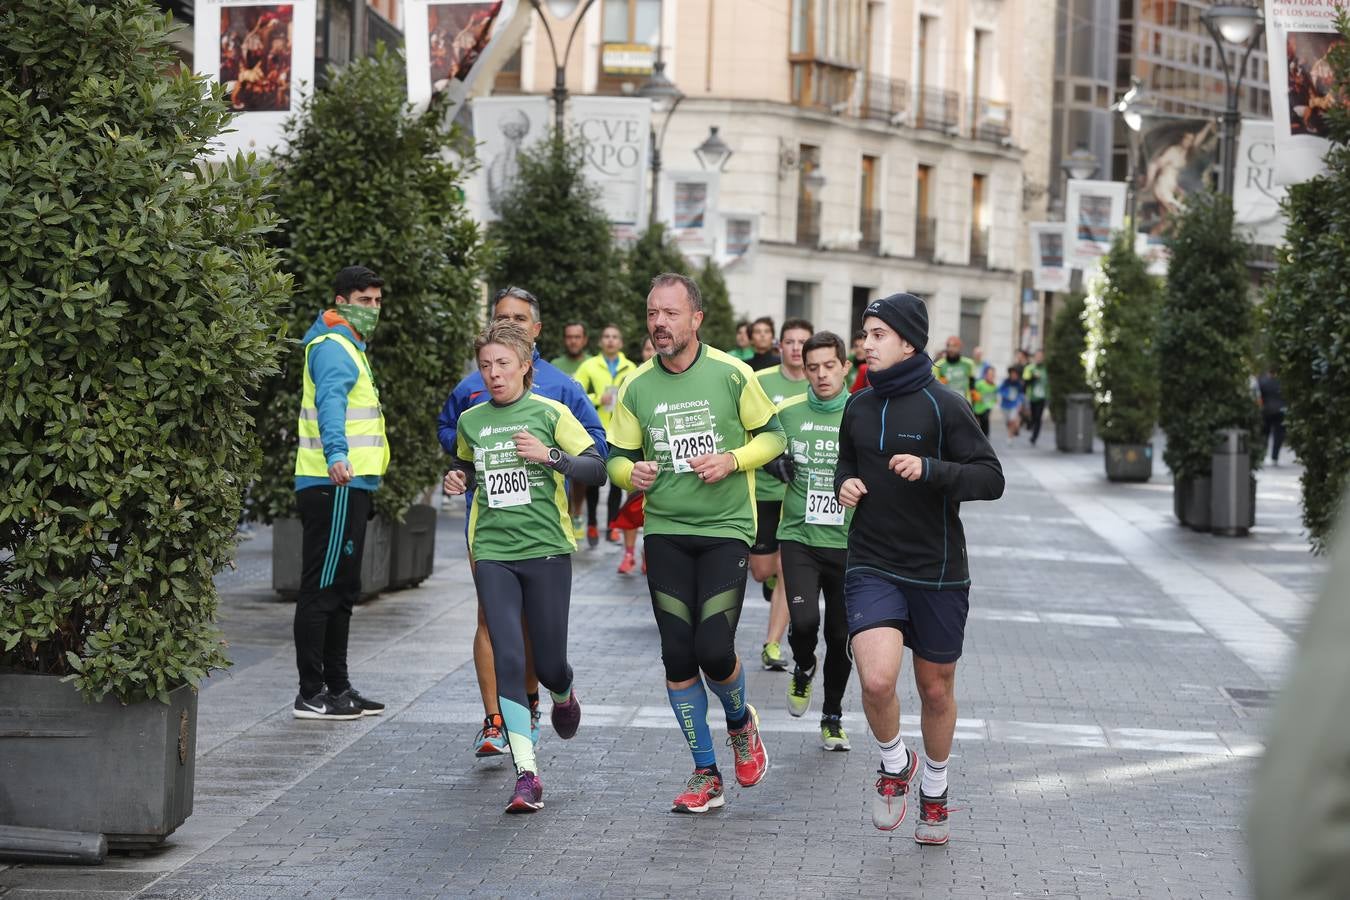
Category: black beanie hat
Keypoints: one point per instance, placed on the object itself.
(906, 313)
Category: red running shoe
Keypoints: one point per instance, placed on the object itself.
(701, 794)
(627, 563)
(592, 535)
(752, 760)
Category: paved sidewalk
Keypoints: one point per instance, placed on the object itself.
(1113, 692)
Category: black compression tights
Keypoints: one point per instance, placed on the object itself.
(697, 586)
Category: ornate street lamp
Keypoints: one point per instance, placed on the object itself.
(1238, 27)
(714, 152)
(665, 96)
(1133, 105)
(1080, 164)
(560, 9)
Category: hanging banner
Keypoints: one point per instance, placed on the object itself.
(1256, 196)
(1175, 158)
(739, 234)
(1157, 256)
(1299, 35)
(689, 209)
(451, 43)
(1093, 212)
(1049, 269)
(263, 53)
(503, 127)
(617, 134)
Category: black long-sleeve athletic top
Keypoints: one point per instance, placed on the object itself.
(911, 531)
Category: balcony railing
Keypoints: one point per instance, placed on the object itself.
(936, 109)
(808, 222)
(925, 238)
(991, 121)
(869, 225)
(883, 99)
(979, 247)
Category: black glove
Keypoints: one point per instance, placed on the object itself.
(782, 468)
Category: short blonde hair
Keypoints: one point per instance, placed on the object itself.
(511, 336)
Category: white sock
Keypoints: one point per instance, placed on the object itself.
(893, 755)
(934, 778)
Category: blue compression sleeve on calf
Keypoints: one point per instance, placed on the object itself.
(691, 711)
(732, 695)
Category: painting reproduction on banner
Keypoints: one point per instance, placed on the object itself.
(1299, 37)
(262, 54)
(1176, 157)
(448, 43)
(503, 128)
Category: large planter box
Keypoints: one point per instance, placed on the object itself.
(413, 549)
(287, 544)
(1079, 425)
(1129, 462)
(1190, 502)
(124, 771)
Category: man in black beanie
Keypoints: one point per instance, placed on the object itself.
(909, 454)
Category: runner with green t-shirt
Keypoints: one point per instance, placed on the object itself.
(780, 382)
(813, 533)
(519, 448)
(957, 372)
(1038, 391)
(985, 397)
(689, 428)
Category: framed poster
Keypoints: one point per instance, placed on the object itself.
(689, 209)
(1093, 212)
(450, 43)
(1049, 269)
(740, 233)
(263, 54)
(1299, 36)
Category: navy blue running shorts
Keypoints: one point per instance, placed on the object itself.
(933, 622)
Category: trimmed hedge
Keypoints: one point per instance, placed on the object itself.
(1122, 325)
(1064, 355)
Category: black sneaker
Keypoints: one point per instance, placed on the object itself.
(324, 705)
(367, 706)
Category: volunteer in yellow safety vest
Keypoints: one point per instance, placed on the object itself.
(341, 455)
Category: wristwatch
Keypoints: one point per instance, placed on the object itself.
(554, 456)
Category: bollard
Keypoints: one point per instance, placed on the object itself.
(1078, 423)
(1232, 507)
(50, 847)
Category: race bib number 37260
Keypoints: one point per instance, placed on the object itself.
(690, 434)
(822, 507)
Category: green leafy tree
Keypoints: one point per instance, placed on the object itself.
(1308, 319)
(555, 240)
(1205, 335)
(1121, 319)
(1064, 355)
(366, 181)
(654, 253)
(139, 309)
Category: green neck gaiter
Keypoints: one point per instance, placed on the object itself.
(362, 318)
(834, 404)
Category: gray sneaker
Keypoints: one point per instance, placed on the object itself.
(932, 827)
(890, 802)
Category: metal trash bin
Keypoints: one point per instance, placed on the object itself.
(1078, 423)
(1231, 508)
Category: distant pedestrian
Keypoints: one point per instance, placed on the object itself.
(1272, 414)
(1038, 391)
(985, 397)
(743, 351)
(957, 372)
(341, 456)
(1010, 396)
(576, 347)
(761, 342)
(859, 363)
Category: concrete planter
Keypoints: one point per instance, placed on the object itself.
(1079, 425)
(1190, 502)
(1129, 462)
(124, 771)
(413, 550)
(288, 542)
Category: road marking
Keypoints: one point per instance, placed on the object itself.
(1087, 620)
(986, 551)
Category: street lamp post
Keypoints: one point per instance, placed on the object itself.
(713, 153)
(665, 96)
(560, 9)
(1237, 26)
(1133, 106)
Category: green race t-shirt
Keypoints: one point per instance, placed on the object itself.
(567, 365)
(958, 376)
(1038, 385)
(812, 513)
(519, 508)
(779, 388)
(711, 407)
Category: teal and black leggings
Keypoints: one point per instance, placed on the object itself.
(540, 590)
(697, 586)
(333, 520)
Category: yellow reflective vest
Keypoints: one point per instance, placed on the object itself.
(367, 447)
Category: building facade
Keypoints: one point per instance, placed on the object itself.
(877, 146)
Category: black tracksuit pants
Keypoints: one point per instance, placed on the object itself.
(334, 523)
(807, 572)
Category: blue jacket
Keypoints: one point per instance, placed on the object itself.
(549, 381)
(334, 376)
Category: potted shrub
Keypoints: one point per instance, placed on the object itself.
(1205, 336)
(1307, 320)
(366, 180)
(1121, 323)
(1064, 367)
(138, 313)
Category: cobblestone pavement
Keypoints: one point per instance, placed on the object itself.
(1113, 691)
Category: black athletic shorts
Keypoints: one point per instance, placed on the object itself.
(766, 528)
(932, 622)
